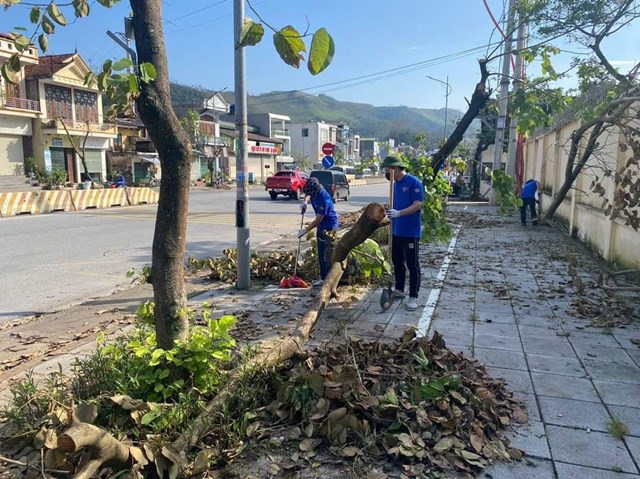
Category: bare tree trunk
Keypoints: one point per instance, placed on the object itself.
(478, 101)
(174, 150)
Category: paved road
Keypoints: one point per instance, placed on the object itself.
(51, 261)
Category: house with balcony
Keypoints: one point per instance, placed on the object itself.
(307, 140)
(71, 114)
(17, 112)
(132, 153)
(275, 126)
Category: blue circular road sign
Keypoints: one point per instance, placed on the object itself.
(327, 161)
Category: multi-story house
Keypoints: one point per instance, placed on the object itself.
(16, 112)
(132, 153)
(307, 140)
(369, 148)
(71, 114)
(273, 126)
(348, 145)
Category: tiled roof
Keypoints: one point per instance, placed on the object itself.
(48, 66)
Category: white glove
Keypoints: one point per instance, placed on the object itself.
(392, 214)
(302, 232)
(303, 208)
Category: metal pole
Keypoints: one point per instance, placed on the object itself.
(513, 134)
(242, 188)
(504, 93)
(446, 101)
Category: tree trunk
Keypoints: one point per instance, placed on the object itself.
(372, 218)
(477, 103)
(174, 150)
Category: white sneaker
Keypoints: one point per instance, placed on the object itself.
(412, 303)
(318, 283)
(399, 294)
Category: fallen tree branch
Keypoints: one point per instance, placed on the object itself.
(31, 466)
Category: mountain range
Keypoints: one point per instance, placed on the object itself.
(399, 122)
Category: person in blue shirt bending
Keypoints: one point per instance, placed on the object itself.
(406, 227)
(326, 220)
(528, 197)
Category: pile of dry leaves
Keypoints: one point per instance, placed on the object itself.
(413, 406)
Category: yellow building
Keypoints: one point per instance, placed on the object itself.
(16, 112)
(71, 114)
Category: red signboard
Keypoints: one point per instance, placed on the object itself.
(328, 148)
(268, 150)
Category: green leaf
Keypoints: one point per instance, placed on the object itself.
(48, 26)
(81, 8)
(122, 64)
(9, 75)
(289, 46)
(43, 41)
(21, 43)
(322, 50)
(133, 83)
(147, 72)
(251, 33)
(34, 15)
(56, 15)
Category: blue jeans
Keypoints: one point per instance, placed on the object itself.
(323, 243)
(531, 204)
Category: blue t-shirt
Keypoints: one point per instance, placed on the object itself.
(323, 205)
(405, 192)
(529, 190)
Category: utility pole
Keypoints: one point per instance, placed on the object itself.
(504, 94)
(518, 77)
(243, 232)
(446, 101)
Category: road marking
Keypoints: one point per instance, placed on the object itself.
(434, 295)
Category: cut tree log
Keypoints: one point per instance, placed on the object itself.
(372, 218)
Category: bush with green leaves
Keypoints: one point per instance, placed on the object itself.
(370, 260)
(504, 187)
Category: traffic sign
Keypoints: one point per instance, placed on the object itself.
(327, 161)
(328, 149)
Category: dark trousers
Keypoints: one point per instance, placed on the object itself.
(531, 203)
(404, 255)
(323, 244)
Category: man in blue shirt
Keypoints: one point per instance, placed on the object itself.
(326, 220)
(528, 197)
(406, 222)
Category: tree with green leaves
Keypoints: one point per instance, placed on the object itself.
(148, 87)
(605, 100)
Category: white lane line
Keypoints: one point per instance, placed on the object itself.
(434, 295)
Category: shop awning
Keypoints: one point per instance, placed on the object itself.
(149, 158)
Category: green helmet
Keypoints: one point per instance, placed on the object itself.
(391, 161)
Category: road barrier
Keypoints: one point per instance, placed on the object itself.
(141, 196)
(17, 203)
(49, 201)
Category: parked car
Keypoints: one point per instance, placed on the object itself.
(349, 171)
(286, 182)
(335, 182)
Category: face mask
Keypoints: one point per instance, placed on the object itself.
(387, 175)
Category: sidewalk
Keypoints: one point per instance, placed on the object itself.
(504, 295)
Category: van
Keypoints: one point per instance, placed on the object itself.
(349, 171)
(335, 182)
(366, 172)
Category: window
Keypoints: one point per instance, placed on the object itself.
(86, 105)
(58, 101)
(12, 90)
(305, 132)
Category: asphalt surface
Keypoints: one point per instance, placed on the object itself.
(60, 259)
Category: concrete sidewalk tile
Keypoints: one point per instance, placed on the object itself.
(634, 354)
(617, 394)
(534, 321)
(594, 338)
(571, 471)
(602, 353)
(572, 413)
(565, 387)
(517, 381)
(628, 415)
(406, 317)
(531, 438)
(591, 449)
(554, 365)
(457, 337)
(491, 341)
(501, 359)
(531, 404)
(394, 331)
(494, 317)
(545, 347)
(497, 329)
(493, 305)
(525, 469)
(634, 446)
(606, 371)
(460, 348)
(438, 324)
(627, 338)
(550, 333)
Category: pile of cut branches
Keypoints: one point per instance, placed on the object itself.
(414, 404)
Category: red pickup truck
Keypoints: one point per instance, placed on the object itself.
(286, 182)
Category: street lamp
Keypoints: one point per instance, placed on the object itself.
(446, 100)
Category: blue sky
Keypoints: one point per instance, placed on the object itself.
(370, 36)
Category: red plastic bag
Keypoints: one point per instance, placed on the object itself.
(293, 282)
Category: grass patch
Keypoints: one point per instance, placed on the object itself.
(617, 428)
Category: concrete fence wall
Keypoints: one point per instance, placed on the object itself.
(582, 210)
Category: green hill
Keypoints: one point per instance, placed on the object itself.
(367, 120)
